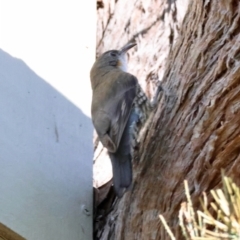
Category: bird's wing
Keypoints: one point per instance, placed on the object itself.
(121, 105)
(113, 116)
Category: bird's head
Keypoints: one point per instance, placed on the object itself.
(115, 58)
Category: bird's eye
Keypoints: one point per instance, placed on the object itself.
(113, 54)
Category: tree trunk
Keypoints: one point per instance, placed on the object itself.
(194, 132)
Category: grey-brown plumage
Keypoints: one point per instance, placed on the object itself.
(119, 106)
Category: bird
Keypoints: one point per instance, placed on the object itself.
(119, 108)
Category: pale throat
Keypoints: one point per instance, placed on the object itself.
(122, 63)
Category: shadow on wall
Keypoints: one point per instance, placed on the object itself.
(46, 157)
(18, 79)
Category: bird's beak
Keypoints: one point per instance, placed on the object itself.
(125, 48)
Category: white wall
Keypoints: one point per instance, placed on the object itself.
(56, 39)
(46, 134)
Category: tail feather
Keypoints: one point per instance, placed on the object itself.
(122, 158)
(122, 172)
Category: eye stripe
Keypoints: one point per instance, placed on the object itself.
(113, 54)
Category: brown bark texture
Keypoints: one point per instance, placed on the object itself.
(194, 132)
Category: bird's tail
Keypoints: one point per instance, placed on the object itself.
(122, 172)
(122, 158)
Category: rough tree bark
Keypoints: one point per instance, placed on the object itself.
(194, 132)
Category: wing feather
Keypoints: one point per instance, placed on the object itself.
(116, 102)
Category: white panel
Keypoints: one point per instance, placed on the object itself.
(56, 39)
(45, 129)
(45, 158)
